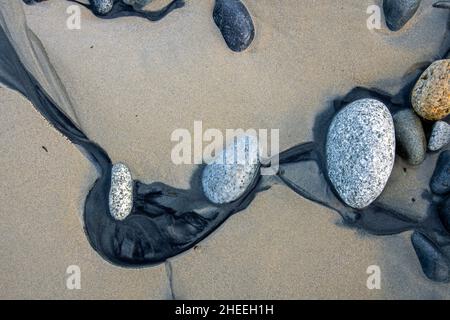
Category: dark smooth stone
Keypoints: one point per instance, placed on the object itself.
(444, 213)
(442, 4)
(235, 24)
(440, 181)
(399, 12)
(434, 263)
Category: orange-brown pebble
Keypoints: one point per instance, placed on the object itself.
(430, 97)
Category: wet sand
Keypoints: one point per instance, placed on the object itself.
(130, 83)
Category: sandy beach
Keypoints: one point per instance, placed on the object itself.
(129, 83)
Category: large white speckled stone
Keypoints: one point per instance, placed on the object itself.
(361, 151)
(440, 136)
(121, 192)
(232, 172)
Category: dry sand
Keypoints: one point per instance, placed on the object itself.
(130, 83)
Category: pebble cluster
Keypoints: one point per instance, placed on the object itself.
(360, 149)
(360, 142)
(121, 192)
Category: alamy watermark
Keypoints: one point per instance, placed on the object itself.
(374, 279)
(73, 22)
(73, 281)
(374, 21)
(191, 148)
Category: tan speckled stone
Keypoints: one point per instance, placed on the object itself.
(431, 95)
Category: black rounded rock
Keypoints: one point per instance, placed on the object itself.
(435, 264)
(399, 12)
(235, 24)
(440, 181)
(444, 213)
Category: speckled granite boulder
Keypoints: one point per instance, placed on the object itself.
(101, 7)
(431, 95)
(121, 192)
(440, 181)
(434, 263)
(410, 137)
(361, 151)
(235, 23)
(440, 136)
(232, 172)
(399, 12)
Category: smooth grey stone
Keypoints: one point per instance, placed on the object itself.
(399, 12)
(102, 7)
(235, 23)
(232, 172)
(410, 137)
(440, 136)
(440, 181)
(360, 151)
(121, 192)
(434, 263)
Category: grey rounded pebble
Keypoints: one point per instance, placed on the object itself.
(235, 168)
(102, 7)
(360, 151)
(440, 136)
(434, 263)
(235, 23)
(399, 12)
(121, 192)
(440, 181)
(410, 137)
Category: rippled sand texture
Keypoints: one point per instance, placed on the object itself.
(130, 83)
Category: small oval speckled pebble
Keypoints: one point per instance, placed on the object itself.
(102, 7)
(440, 136)
(121, 192)
(360, 151)
(434, 263)
(430, 97)
(232, 172)
(399, 12)
(235, 23)
(410, 137)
